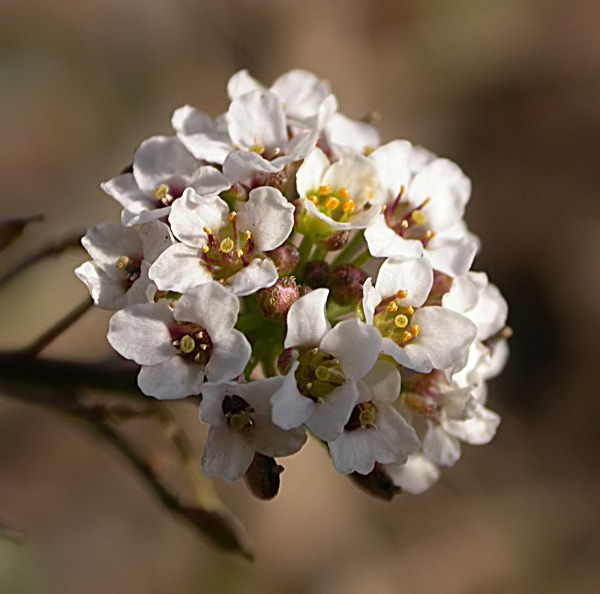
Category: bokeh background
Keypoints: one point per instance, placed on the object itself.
(511, 91)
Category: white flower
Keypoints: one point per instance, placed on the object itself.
(415, 476)
(162, 169)
(335, 196)
(181, 347)
(118, 274)
(375, 431)
(416, 335)
(320, 389)
(422, 211)
(222, 245)
(240, 424)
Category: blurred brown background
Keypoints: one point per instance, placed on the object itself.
(511, 91)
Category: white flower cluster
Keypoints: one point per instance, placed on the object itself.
(294, 272)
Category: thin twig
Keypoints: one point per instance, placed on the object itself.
(53, 249)
(40, 343)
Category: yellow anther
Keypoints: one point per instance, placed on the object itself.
(187, 344)
(401, 321)
(205, 249)
(404, 224)
(332, 203)
(343, 193)
(199, 335)
(409, 309)
(122, 263)
(322, 373)
(401, 191)
(368, 150)
(239, 252)
(226, 245)
(325, 189)
(207, 230)
(418, 217)
(392, 307)
(247, 235)
(425, 202)
(402, 294)
(232, 216)
(203, 347)
(312, 198)
(429, 234)
(406, 336)
(415, 329)
(349, 206)
(161, 192)
(257, 148)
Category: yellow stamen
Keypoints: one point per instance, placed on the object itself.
(325, 190)
(368, 150)
(402, 294)
(429, 234)
(332, 203)
(122, 263)
(409, 309)
(205, 249)
(226, 245)
(406, 336)
(366, 417)
(322, 373)
(415, 329)
(425, 202)
(401, 321)
(161, 192)
(392, 307)
(312, 198)
(343, 193)
(257, 148)
(404, 224)
(232, 216)
(247, 235)
(207, 230)
(349, 206)
(239, 252)
(418, 217)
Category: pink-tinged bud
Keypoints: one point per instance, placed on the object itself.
(316, 274)
(285, 360)
(237, 193)
(346, 283)
(286, 257)
(441, 285)
(262, 477)
(335, 242)
(274, 302)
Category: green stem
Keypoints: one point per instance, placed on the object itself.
(305, 248)
(362, 259)
(351, 248)
(319, 253)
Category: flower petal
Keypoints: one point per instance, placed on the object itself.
(171, 379)
(307, 321)
(290, 408)
(231, 352)
(226, 453)
(413, 276)
(259, 274)
(178, 268)
(328, 418)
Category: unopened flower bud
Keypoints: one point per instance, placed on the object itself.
(285, 360)
(336, 241)
(441, 285)
(346, 283)
(262, 477)
(286, 257)
(316, 274)
(274, 302)
(378, 483)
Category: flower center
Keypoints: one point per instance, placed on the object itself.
(362, 417)
(192, 342)
(336, 204)
(166, 194)
(237, 412)
(228, 250)
(318, 373)
(394, 320)
(408, 221)
(129, 269)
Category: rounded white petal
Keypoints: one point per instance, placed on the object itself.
(240, 83)
(355, 344)
(259, 274)
(392, 161)
(301, 93)
(156, 238)
(208, 181)
(384, 242)
(107, 242)
(106, 292)
(445, 335)
(344, 132)
(191, 214)
(479, 429)
(290, 408)
(382, 383)
(162, 159)
(413, 276)
(352, 451)
(452, 255)
(226, 453)
(328, 418)
(211, 306)
(241, 166)
(441, 448)
(311, 172)
(268, 216)
(141, 333)
(270, 440)
(178, 268)
(307, 321)
(172, 379)
(448, 188)
(416, 476)
(411, 355)
(396, 439)
(371, 299)
(255, 118)
(189, 120)
(230, 355)
(357, 174)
